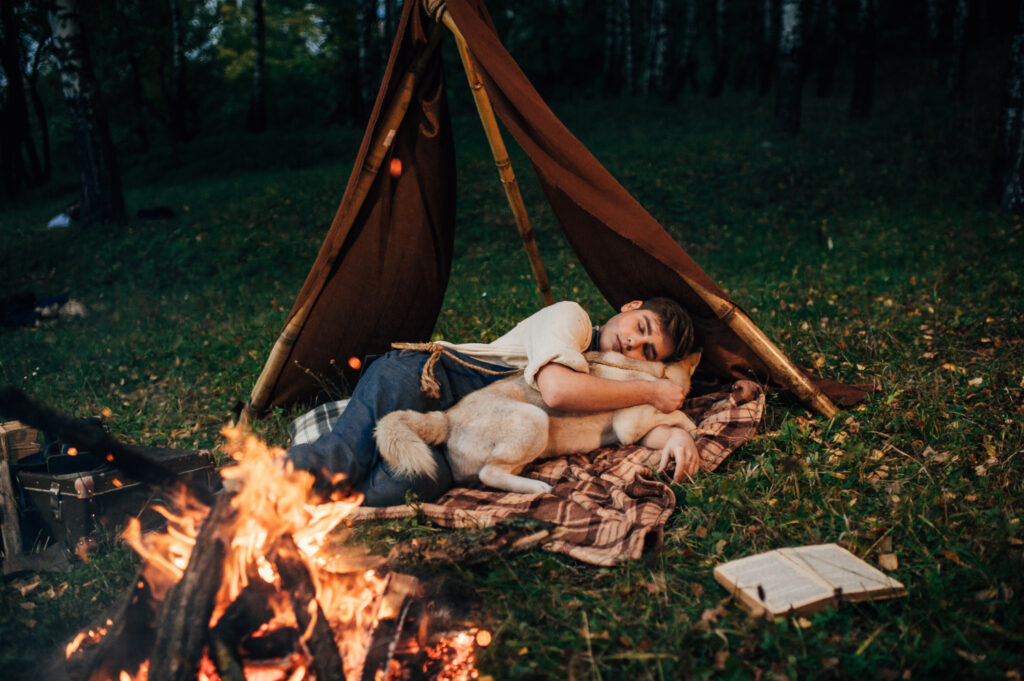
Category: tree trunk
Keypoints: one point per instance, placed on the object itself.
(1007, 179)
(618, 48)
(769, 46)
(787, 95)
(719, 51)
(40, 109)
(20, 171)
(179, 89)
(934, 18)
(958, 50)
(863, 94)
(828, 50)
(688, 51)
(657, 47)
(256, 118)
(366, 68)
(102, 198)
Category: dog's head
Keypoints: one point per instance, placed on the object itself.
(680, 372)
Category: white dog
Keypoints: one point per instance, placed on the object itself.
(494, 432)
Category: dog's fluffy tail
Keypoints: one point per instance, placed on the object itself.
(403, 436)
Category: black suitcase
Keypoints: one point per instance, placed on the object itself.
(71, 506)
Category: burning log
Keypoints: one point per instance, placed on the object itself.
(297, 582)
(185, 615)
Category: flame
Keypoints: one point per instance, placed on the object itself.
(273, 501)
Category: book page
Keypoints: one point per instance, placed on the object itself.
(842, 569)
(784, 584)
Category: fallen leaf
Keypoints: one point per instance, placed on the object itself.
(888, 561)
(802, 622)
(976, 381)
(987, 594)
(712, 615)
(27, 605)
(721, 657)
(970, 657)
(701, 532)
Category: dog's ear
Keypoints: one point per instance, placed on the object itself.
(691, 361)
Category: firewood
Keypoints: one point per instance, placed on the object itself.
(185, 615)
(127, 640)
(296, 580)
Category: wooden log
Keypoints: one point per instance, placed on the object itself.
(296, 580)
(126, 643)
(11, 522)
(184, 619)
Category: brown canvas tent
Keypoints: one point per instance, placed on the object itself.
(381, 273)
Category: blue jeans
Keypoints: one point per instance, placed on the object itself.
(390, 383)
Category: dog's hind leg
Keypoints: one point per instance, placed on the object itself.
(523, 438)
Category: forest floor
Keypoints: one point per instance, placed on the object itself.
(867, 251)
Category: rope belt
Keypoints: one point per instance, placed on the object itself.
(429, 384)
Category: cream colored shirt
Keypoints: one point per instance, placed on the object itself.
(559, 333)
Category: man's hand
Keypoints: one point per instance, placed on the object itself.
(675, 444)
(667, 397)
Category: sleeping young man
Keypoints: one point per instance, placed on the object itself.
(548, 346)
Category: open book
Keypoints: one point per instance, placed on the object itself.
(803, 580)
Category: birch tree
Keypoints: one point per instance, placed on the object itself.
(256, 117)
(102, 197)
(1007, 179)
(788, 91)
(862, 95)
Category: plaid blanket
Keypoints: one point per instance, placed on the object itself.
(607, 505)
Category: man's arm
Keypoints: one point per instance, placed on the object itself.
(567, 390)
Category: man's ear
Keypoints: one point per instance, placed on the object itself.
(631, 305)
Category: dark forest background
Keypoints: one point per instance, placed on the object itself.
(81, 85)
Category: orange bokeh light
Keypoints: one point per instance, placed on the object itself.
(483, 638)
(395, 167)
(72, 451)
(355, 363)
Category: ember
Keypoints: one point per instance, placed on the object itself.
(249, 589)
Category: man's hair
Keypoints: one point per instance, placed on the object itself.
(675, 323)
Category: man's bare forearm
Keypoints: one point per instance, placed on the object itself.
(567, 390)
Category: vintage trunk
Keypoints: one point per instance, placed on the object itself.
(70, 506)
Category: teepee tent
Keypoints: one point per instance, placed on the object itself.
(381, 273)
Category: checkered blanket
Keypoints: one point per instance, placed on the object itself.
(607, 505)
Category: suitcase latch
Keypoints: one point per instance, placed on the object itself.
(55, 502)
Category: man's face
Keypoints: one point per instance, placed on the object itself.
(635, 333)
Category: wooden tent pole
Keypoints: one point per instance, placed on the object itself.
(379, 147)
(498, 150)
(769, 353)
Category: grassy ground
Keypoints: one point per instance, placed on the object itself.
(921, 295)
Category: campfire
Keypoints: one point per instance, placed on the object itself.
(258, 587)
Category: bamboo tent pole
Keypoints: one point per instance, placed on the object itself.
(437, 9)
(379, 146)
(769, 353)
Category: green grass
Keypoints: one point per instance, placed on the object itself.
(921, 297)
